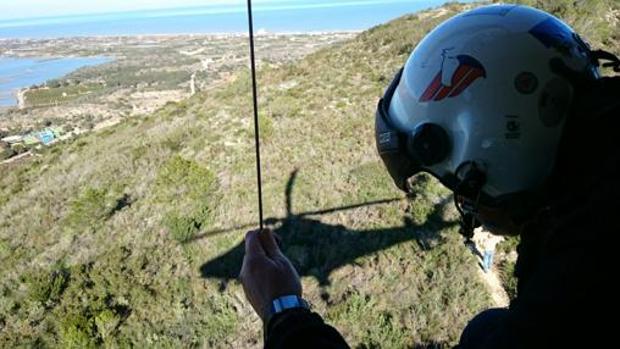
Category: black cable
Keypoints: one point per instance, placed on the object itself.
(470, 185)
(602, 55)
(255, 100)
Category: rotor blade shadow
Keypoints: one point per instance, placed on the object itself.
(275, 220)
(317, 248)
(350, 207)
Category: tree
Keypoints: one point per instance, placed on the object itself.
(5, 151)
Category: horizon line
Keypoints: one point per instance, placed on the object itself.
(235, 33)
(224, 8)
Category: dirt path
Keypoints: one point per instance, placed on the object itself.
(15, 158)
(492, 280)
(494, 284)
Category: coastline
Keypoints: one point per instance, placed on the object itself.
(81, 47)
(140, 73)
(217, 35)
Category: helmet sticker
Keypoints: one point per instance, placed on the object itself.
(456, 75)
(553, 33)
(513, 127)
(526, 83)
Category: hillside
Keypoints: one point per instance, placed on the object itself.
(130, 236)
(143, 73)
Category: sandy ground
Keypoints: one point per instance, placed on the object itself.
(499, 295)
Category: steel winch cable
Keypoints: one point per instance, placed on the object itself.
(256, 127)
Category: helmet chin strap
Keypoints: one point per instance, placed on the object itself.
(470, 186)
(468, 221)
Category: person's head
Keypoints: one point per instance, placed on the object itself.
(479, 106)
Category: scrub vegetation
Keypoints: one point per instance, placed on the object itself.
(131, 236)
(143, 74)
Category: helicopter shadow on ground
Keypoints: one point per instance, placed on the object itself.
(317, 248)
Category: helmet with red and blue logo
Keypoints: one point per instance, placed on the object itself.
(479, 106)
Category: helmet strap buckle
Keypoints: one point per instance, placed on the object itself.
(467, 196)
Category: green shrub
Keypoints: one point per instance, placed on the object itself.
(507, 265)
(362, 309)
(420, 209)
(184, 180)
(20, 148)
(92, 206)
(77, 331)
(190, 193)
(355, 307)
(266, 127)
(426, 194)
(4, 245)
(509, 244)
(106, 322)
(89, 313)
(222, 321)
(46, 286)
(59, 94)
(507, 276)
(174, 143)
(184, 228)
(372, 181)
(284, 106)
(6, 153)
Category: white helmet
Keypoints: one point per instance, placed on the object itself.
(478, 106)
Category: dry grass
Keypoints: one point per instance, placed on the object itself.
(89, 256)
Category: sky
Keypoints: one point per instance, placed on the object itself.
(23, 9)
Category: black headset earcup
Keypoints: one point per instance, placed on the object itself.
(429, 144)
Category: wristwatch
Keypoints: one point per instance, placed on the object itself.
(283, 303)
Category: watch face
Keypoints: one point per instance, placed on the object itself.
(287, 302)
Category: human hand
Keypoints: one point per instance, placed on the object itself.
(266, 273)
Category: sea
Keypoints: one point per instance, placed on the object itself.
(274, 16)
(18, 73)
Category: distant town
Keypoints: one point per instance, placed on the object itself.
(19, 146)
